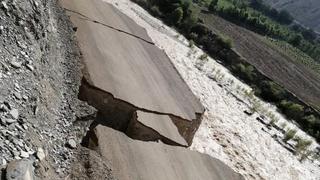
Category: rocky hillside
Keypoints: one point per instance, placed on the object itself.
(306, 12)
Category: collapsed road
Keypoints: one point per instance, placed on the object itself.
(138, 91)
(128, 71)
(142, 114)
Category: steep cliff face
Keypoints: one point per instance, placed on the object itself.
(306, 12)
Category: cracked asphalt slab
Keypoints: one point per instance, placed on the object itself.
(129, 68)
(133, 159)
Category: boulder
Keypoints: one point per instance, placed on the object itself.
(20, 170)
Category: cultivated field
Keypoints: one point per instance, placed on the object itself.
(269, 60)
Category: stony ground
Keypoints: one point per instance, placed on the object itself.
(41, 117)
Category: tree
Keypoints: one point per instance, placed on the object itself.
(155, 11)
(199, 29)
(296, 39)
(292, 110)
(257, 4)
(272, 91)
(309, 121)
(247, 72)
(285, 17)
(224, 41)
(212, 5)
(309, 34)
(176, 16)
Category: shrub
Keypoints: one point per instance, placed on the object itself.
(200, 30)
(285, 17)
(176, 16)
(247, 72)
(143, 3)
(292, 110)
(272, 91)
(190, 19)
(212, 6)
(283, 125)
(295, 39)
(191, 44)
(302, 145)
(203, 57)
(289, 135)
(309, 121)
(305, 155)
(273, 121)
(155, 11)
(193, 36)
(225, 41)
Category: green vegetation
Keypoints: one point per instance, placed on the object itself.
(272, 91)
(176, 16)
(283, 16)
(289, 135)
(183, 15)
(294, 53)
(225, 41)
(302, 145)
(213, 5)
(292, 110)
(203, 57)
(256, 16)
(244, 71)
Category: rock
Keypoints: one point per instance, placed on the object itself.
(72, 143)
(10, 121)
(16, 64)
(24, 97)
(17, 95)
(14, 113)
(4, 162)
(18, 142)
(22, 45)
(30, 67)
(3, 121)
(25, 126)
(19, 127)
(4, 5)
(24, 154)
(3, 107)
(40, 154)
(249, 112)
(59, 171)
(19, 170)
